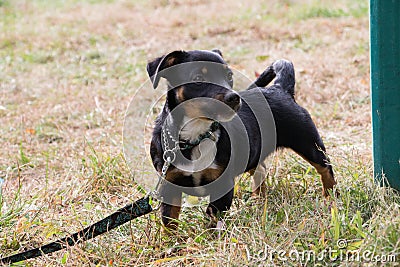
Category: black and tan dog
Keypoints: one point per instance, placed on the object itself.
(214, 137)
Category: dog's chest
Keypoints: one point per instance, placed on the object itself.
(193, 128)
(201, 168)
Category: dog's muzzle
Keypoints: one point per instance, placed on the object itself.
(232, 99)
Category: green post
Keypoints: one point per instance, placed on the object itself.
(385, 89)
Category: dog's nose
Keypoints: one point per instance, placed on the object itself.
(233, 100)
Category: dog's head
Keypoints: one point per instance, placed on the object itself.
(195, 77)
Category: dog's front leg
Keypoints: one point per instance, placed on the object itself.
(217, 207)
(170, 206)
(258, 186)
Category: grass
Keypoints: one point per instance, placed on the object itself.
(324, 9)
(67, 75)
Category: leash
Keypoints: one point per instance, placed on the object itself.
(137, 209)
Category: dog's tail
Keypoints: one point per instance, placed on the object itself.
(283, 70)
(285, 77)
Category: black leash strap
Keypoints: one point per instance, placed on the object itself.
(121, 216)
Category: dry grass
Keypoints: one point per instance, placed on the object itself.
(68, 71)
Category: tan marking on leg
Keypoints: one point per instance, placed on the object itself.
(175, 211)
(172, 220)
(258, 185)
(170, 214)
(173, 174)
(328, 182)
(251, 172)
(179, 94)
(211, 174)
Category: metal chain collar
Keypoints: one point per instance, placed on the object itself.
(169, 154)
(169, 157)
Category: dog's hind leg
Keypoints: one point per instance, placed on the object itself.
(326, 172)
(322, 165)
(258, 185)
(312, 149)
(297, 131)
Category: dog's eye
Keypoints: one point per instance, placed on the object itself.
(229, 77)
(198, 78)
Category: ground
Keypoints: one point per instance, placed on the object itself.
(69, 70)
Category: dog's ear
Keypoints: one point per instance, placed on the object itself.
(161, 63)
(218, 52)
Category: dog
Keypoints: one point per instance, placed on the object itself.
(207, 132)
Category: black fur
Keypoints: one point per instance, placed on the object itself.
(294, 126)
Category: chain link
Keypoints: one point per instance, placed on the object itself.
(169, 156)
